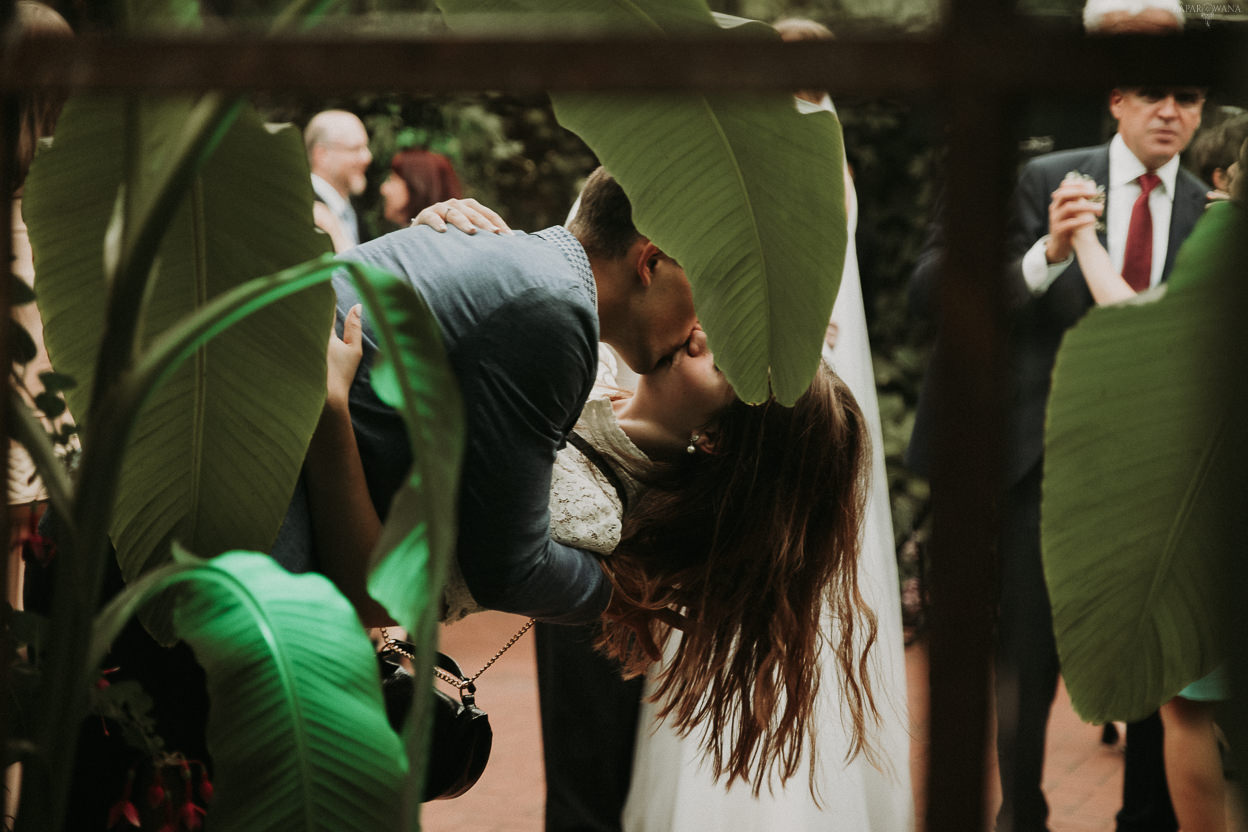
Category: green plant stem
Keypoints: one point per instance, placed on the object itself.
(302, 14)
(29, 430)
(222, 312)
(80, 576)
(116, 397)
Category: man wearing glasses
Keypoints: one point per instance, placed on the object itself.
(1151, 206)
(338, 156)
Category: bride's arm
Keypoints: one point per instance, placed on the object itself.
(1106, 284)
(344, 520)
(1104, 281)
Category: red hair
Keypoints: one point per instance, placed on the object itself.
(428, 176)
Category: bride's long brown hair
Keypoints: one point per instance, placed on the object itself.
(744, 549)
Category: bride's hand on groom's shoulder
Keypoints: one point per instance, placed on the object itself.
(467, 215)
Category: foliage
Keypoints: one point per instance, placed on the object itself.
(1141, 451)
(504, 146)
(701, 178)
(40, 416)
(205, 179)
(412, 337)
(287, 659)
(242, 411)
(858, 15)
(410, 561)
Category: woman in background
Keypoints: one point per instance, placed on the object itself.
(418, 177)
(38, 113)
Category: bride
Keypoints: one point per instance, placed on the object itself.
(674, 786)
(742, 533)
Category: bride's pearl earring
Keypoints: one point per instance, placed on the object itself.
(693, 441)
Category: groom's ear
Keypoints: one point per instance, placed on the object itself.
(647, 257)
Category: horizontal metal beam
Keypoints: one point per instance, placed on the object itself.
(1000, 58)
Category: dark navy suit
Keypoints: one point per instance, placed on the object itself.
(1027, 663)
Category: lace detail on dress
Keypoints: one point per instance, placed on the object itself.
(585, 511)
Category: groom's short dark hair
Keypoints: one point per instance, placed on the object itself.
(604, 220)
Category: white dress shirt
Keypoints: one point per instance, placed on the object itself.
(1123, 190)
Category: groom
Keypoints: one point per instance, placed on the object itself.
(520, 316)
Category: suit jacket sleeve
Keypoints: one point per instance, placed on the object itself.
(1028, 222)
(529, 369)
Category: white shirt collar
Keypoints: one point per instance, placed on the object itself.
(337, 203)
(1125, 168)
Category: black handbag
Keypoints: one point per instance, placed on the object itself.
(461, 738)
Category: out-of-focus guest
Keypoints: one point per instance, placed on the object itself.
(338, 156)
(418, 178)
(39, 110)
(1214, 151)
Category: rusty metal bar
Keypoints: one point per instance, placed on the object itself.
(967, 383)
(1004, 56)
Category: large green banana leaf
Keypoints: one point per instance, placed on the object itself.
(215, 451)
(410, 562)
(743, 190)
(296, 728)
(412, 375)
(1141, 458)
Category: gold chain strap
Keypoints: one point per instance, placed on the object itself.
(459, 684)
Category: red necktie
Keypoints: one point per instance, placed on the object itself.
(1137, 259)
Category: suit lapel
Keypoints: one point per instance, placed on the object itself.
(1189, 204)
(1098, 169)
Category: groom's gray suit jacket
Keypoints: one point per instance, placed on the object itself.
(519, 321)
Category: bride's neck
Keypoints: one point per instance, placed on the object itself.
(649, 433)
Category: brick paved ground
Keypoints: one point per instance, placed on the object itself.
(1083, 778)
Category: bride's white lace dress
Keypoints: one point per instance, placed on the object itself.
(672, 788)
